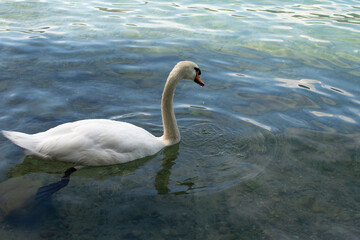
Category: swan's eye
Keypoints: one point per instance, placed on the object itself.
(197, 70)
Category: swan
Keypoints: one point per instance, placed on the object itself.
(99, 142)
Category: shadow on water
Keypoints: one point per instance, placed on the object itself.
(28, 191)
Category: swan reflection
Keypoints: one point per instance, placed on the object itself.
(162, 177)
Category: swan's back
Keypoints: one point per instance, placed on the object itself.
(90, 142)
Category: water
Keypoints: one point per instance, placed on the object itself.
(270, 146)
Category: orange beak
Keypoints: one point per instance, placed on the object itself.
(198, 80)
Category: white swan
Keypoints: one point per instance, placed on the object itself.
(96, 142)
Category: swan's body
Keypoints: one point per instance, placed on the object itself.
(91, 142)
(95, 142)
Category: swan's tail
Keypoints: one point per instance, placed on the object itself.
(26, 141)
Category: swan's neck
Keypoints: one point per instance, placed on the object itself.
(171, 130)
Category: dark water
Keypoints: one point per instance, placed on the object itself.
(270, 146)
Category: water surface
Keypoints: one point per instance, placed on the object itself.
(270, 146)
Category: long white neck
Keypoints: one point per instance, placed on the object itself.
(171, 130)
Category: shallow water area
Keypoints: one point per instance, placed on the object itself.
(270, 145)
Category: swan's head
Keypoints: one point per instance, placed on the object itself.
(189, 71)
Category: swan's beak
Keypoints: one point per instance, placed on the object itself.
(198, 80)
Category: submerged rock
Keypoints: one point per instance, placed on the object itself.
(16, 193)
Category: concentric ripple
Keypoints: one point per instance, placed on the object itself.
(219, 150)
(204, 134)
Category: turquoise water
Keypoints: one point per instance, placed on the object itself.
(270, 145)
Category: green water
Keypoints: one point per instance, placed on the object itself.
(270, 145)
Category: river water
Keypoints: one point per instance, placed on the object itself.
(270, 146)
